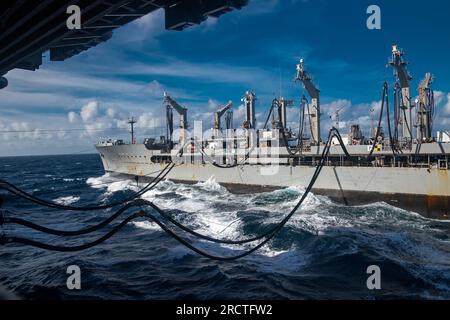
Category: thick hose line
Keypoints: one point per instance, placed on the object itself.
(13, 189)
(77, 186)
(6, 240)
(43, 202)
(37, 244)
(285, 140)
(64, 233)
(104, 223)
(394, 148)
(270, 233)
(215, 164)
(140, 202)
(341, 142)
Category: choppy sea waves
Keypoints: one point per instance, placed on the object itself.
(322, 253)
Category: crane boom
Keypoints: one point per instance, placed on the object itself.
(404, 78)
(314, 93)
(182, 111)
(425, 109)
(249, 105)
(219, 113)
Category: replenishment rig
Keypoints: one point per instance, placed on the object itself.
(400, 162)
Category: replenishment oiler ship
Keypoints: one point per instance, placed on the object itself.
(401, 162)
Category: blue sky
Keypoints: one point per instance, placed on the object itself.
(204, 66)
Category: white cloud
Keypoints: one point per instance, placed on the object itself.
(89, 111)
(72, 117)
(213, 104)
(439, 97)
(150, 120)
(111, 113)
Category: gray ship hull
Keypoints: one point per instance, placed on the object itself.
(423, 190)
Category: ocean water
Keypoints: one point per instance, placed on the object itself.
(322, 253)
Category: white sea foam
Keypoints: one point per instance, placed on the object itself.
(72, 179)
(211, 185)
(100, 182)
(67, 200)
(147, 225)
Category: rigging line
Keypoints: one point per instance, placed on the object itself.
(5, 240)
(379, 124)
(66, 233)
(395, 113)
(394, 148)
(285, 139)
(13, 189)
(91, 185)
(302, 124)
(95, 184)
(214, 163)
(41, 245)
(268, 117)
(270, 233)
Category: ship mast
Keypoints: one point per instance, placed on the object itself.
(131, 122)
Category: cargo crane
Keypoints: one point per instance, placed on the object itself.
(229, 119)
(182, 111)
(314, 93)
(228, 116)
(425, 109)
(249, 105)
(282, 105)
(404, 79)
(279, 115)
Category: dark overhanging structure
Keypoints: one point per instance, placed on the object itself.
(29, 28)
